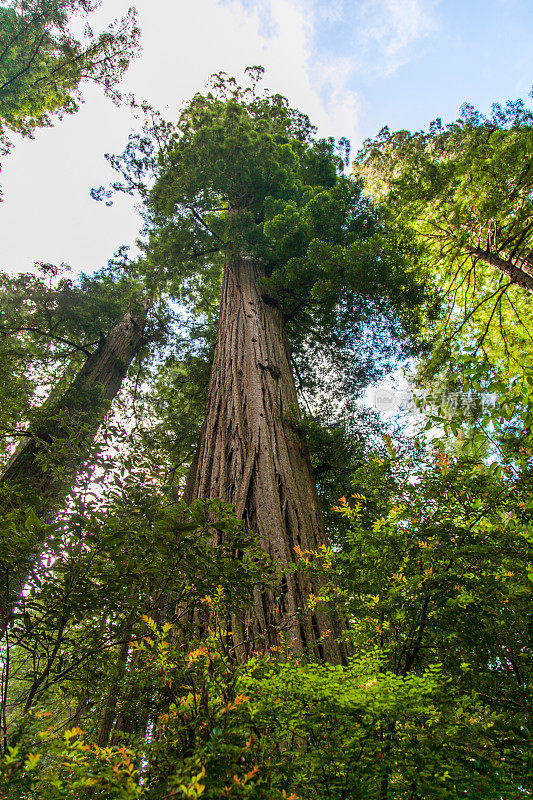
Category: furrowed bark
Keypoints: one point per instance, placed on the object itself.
(253, 455)
(44, 468)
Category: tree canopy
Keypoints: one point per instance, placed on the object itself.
(42, 64)
(465, 191)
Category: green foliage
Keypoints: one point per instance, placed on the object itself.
(338, 444)
(65, 766)
(364, 732)
(137, 551)
(465, 191)
(434, 576)
(42, 64)
(243, 171)
(436, 570)
(274, 728)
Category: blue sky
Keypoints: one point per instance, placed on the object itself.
(412, 61)
(477, 51)
(352, 65)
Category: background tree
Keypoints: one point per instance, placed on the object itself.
(42, 64)
(49, 323)
(58, 434)
(465, 190)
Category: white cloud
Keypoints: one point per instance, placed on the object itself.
(389, 31)
(330, 11)
(233, 34)
(340, 104)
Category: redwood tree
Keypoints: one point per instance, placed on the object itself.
(245, 186)
(44, 468)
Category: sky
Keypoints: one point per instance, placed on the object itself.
(352, 65)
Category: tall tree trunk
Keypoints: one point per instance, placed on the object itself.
(108, 714)
(43, 469)
(253, 455)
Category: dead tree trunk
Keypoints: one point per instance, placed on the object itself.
(43, 469)
(253, 455)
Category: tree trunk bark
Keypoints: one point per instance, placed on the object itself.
(518, 271)
(253, 455)
(108, 715)
(43, 469)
